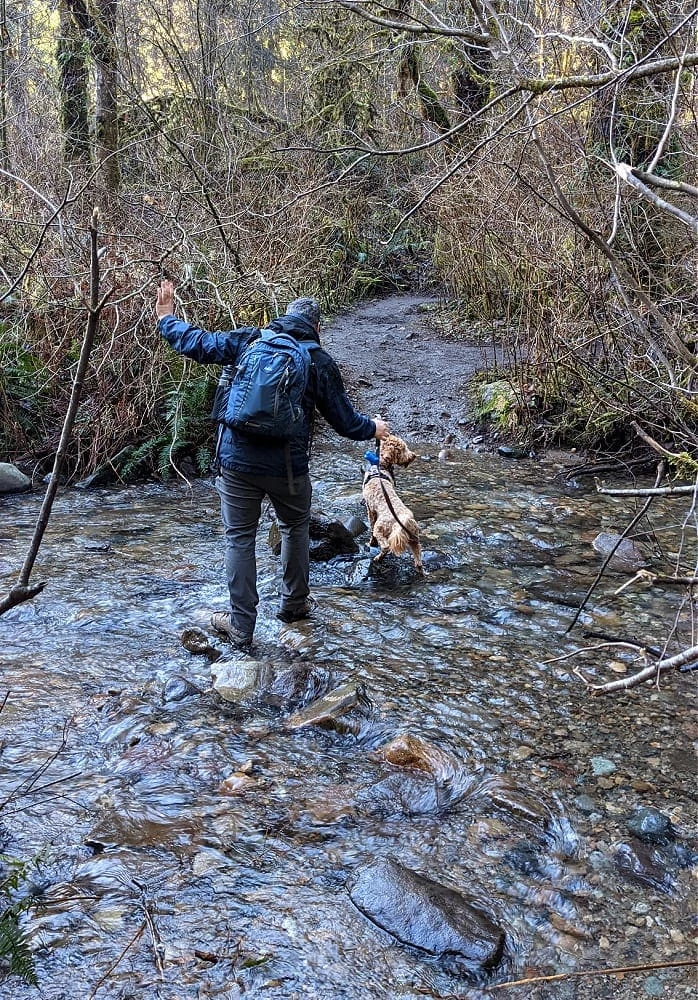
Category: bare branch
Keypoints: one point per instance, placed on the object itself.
(681, 659)
(414, 26)
(626, 173)
(654, 180)
(661, 491)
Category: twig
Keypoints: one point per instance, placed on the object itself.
(111, 968)
(635, 643)
(22, 591)
(654, 445)
(687, 656)
(620, 970)
(27, 784)
(592, 649)
(638, 517)
(155, 938)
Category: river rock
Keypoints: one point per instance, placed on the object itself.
(328, 539)
(199, 644)
(640, 863)
(650, 825)
(356, 526)
(510, 799)
(427, 915)
(234, 679)
(12, 480)
(627, 556)
(601, 767)
(237, 784)
(414, 752)
(294, 684)
(178, 688)
(327, 711)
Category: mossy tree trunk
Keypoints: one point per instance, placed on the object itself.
(106, 93)
(4, 52)
(71, 57)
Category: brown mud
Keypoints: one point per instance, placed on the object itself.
(395, 363)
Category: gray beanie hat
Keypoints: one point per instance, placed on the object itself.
(306, 308)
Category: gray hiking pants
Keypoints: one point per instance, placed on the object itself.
(241, 507)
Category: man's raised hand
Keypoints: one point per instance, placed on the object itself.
(165, 300)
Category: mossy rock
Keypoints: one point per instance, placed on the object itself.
(495, 401)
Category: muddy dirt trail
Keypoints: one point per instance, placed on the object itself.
(396, 363)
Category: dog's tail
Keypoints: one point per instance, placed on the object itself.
(398, 540)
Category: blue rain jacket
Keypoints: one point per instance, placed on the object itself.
(262, 456)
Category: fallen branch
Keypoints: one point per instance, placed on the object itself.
(655, 445)
(687, 656)
(22, 591)
(618, 971)
(661, 491)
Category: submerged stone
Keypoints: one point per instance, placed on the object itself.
(413, 793)
(296, 683)
(640, 863)
(178, 688)
(427, 915)
(626, 557)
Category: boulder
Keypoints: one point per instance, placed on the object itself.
(12, 480)
(424, 914)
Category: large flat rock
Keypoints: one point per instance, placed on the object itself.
(427, 915)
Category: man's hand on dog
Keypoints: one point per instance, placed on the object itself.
(382, 428)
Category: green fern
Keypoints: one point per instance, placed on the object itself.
(187, 432)
(14, 947)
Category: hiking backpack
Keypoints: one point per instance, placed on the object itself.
(267, 387)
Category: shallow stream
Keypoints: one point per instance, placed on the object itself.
(157, 882)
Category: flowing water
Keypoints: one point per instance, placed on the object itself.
(155, 881)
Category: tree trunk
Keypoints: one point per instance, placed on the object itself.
(106, 94)
(4, 50)
(72, 65)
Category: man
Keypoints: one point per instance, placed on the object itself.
(252, 467)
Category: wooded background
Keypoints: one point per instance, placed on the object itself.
(532, 161)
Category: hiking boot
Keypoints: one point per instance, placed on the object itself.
(296, 614)
(221, 621)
